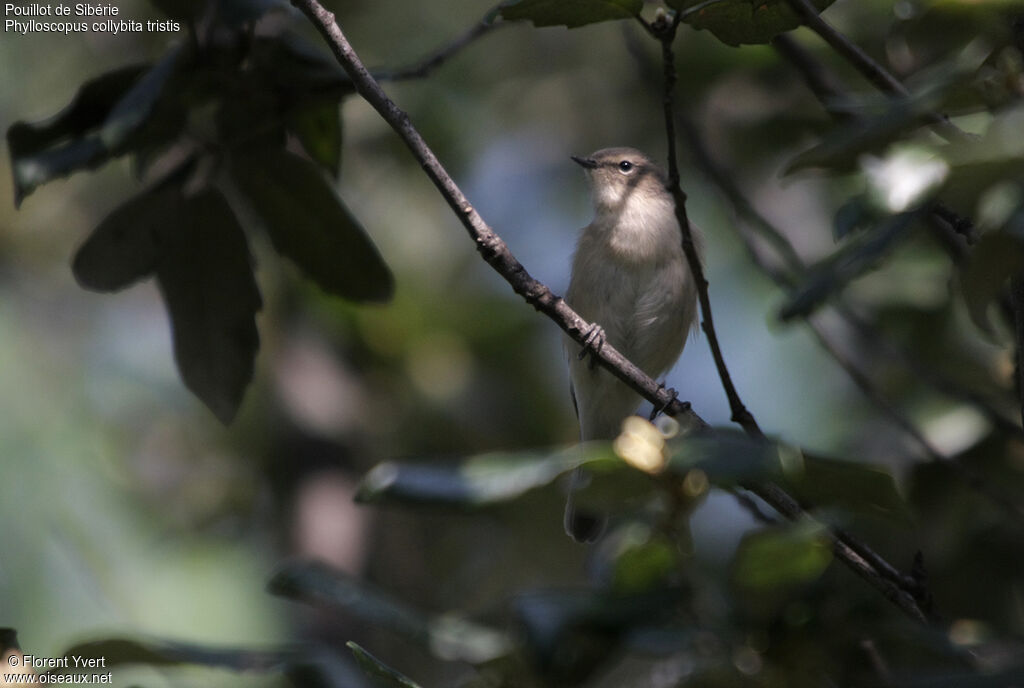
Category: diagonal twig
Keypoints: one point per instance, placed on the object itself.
(496, 253)
(898, 588)
(491, 246)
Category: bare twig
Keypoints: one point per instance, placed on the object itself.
(901, 590)
(425, 65)
(491, 247)
(497, 254)
(665, 31)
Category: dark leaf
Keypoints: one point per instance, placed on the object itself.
(58, 147)
(296, 67)
(205, 276)
(570, 13)
(318, 128)
(308, 223)
(841, 149)
(782, 556)
(380, 673)
(479, 481)
(132, 111)
(126, 245)
(235, 13)
(570, 633)
(118, 652)
(736, 22)
(449, 637)
(852, 486)
(852, 260)
(727, 458)
(996, 258)
(182, 10)
(855, 214)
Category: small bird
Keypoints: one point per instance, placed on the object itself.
(631, 280)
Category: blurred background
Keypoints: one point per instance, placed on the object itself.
(128, 510)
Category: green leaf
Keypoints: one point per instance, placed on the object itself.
(482, 480)
(448, 637)
(570, 633)
(737, 22)
(318, 128)
(727, 458)
(996, 258)
(852, 260)
(58, 147)
(205, 276)
(645, 560)
(125, 247)
(849, 485)
(308, 223)
(380, 673)
(135, 108)
(570, 13)
(782, 556)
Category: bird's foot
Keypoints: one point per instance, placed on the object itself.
(658, 410)
(594, 338)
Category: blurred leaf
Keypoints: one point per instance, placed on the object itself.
(125, 246)
(182, 10)
(996, 258)
(296, 67)
(448, 637)
(235, 13)
(855, 214)
(134, 109)
(782, 556)
(318, 128)
(841, 148)
(727, 458)
(1009, 678)
(643, 564)
(308, 223)
(850, 485)
(482, 480)
(56, 148)
(319, 585)
(382, 675)
(119, 651)
(737, 22)
(571, 633)
(205, 276)
(856, 257)
(570, 13)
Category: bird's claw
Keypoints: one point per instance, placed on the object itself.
(658, 410)
(594, 338)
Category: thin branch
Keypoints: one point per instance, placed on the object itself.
(787, 277)
(665, 30)
(497, 254)
(901, 590)
(427, 64)
(491, 247)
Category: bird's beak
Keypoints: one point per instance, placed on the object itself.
(588, 163)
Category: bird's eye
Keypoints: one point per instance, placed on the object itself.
(625, 166)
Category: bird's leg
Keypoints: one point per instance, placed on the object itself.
(594, 338)
(657, 410)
